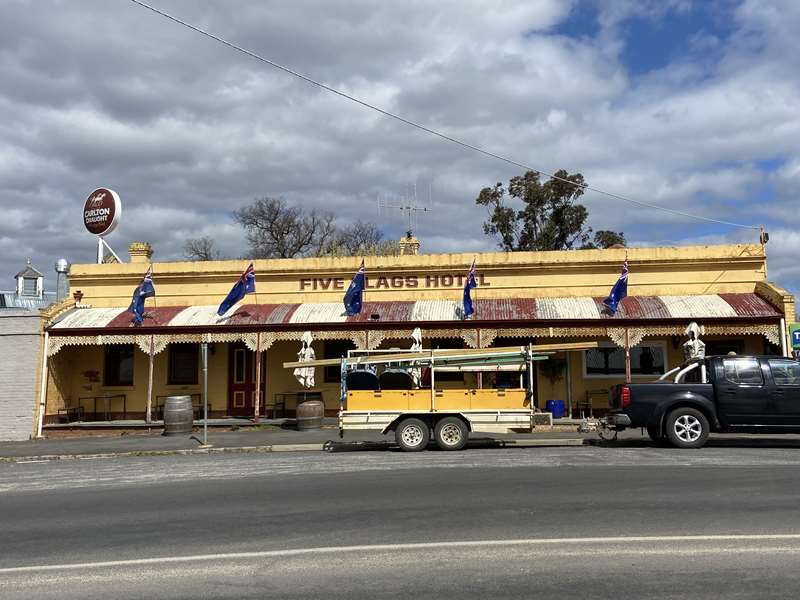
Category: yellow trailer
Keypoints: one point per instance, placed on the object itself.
(418, 414)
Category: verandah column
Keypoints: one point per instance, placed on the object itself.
(627, 357)
(257, 399)
(149, 407)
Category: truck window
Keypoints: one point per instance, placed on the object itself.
(785, 372)
(742, 371)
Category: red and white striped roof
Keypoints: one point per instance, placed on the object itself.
(700, 307)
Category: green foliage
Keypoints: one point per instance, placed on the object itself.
(549, 218)
(606, 239)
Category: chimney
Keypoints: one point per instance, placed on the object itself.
(140, 252)
(62, 279)
(409, 245)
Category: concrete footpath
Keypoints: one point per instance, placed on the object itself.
(262, 438)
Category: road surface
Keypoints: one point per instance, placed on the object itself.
(624, 522)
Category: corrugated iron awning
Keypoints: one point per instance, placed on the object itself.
(556, 310)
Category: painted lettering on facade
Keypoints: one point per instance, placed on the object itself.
(392, 282)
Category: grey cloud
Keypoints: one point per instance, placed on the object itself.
(187, 130)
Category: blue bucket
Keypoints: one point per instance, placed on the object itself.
(556, 407)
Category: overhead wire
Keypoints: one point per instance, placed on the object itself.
(428, 129)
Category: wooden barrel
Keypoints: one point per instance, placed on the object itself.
(309, 414)
(178, 415)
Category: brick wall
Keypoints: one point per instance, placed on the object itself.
(19, 357)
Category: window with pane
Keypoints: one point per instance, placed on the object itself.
(605, 361)
(183, 359)
(785, 372)
(29, 286)
(742, 371)
(335, 349)
(118, 369)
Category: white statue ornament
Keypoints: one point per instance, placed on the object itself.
(693, 347)
(305, 375)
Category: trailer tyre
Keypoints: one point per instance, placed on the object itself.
(687, 428)
(412, 435)
(451, 433)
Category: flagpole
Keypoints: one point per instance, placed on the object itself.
(155, 302)
(364, 291)
(255, 293)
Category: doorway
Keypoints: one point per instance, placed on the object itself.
(242, 381)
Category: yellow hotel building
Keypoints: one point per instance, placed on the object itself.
(98, 364)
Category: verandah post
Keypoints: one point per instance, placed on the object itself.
(627, 357)
(149, 407)
(257, 399)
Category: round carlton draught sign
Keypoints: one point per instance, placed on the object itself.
(102, 211)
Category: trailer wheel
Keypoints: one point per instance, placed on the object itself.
(451, 433)
(412, 435)
(687, 428)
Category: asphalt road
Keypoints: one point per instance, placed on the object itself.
(623, 522)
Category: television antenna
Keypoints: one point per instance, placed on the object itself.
(407, 206)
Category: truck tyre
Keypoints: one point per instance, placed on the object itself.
(412, 435)
(451, 433)
(687, 428)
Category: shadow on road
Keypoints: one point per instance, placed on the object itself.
(337, 446)
(713, 442)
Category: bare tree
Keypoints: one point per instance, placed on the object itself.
(276, 230)
(359, 239)
(202, 248)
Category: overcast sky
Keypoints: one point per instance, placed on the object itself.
(690, 105)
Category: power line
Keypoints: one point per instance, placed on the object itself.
(427, 129)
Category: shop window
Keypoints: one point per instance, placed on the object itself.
(335, 349)
(118, 369)
(648, 359)
(183, 359)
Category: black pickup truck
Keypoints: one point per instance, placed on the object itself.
(754, 394)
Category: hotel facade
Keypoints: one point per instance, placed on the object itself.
(99, 366)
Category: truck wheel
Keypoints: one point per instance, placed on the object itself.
(451, 433)
(687, 428)
(412, 435)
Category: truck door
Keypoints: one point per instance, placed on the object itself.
(784, 390)
(742, 397)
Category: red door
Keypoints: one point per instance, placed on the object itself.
(242, 381)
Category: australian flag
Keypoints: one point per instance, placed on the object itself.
(352, 299)
(619, 291)
(470, 284)
(245, 285)
(144, 290)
